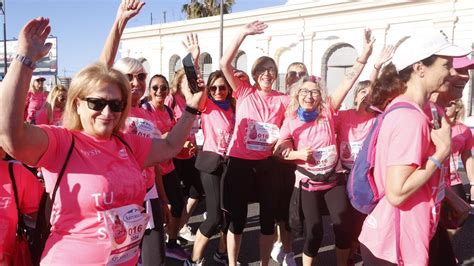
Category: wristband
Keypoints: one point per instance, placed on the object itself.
(192, 110)
(377, 68)
(361, 62)
(435, 161)
(26, 61)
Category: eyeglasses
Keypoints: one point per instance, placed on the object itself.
(220, 87)
(305, 92)
(98, 104)
(270, 70)
(139, 76)
(294, 74)
(162, 88)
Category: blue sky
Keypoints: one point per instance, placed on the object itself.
(81, 26)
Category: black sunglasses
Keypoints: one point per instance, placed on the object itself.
(297, 74)
(98, 104)
(139, 76)
(162, 88)
(220, 87)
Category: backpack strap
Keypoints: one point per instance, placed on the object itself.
(61, 173)
(15, 191)
(170, 112)
(147, 106)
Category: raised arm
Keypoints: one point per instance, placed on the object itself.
(127, 10)
(385, 55)
(24, 142)
(253, 28)
(351, 77)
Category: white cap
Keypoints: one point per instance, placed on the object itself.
(38, 78)
(421, 46)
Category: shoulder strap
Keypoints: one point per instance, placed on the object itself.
(170, 112)
(148, 106)
(61, 173)
(173, 103)
(399, 105)
(124, 143)
(15, 191)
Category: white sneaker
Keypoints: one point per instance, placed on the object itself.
(289, 259)
(186, 233)
(204, 215)
(277, 253)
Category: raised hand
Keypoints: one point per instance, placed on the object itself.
(384, 56)
(256, 27)
(368, 41)
(128, 9)
(192, 46)
(32, 38)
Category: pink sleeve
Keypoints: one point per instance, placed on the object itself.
(242, 90)
(141, 147)
(469, 141)
(29, 189)
(59, 141)
(409, 137)
(285, 131)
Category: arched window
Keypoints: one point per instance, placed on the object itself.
(337, 62)
(240, 61)
(175, 64)
(205, 63)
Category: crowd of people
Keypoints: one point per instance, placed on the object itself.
(129, 170)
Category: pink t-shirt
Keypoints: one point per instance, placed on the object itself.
(404, 139)
(164, 123)
(217, 125)
(101, 175)
(461, 141)
(177, 103)
(142, 123)
(258, 119)
(34, 102)
(42, 117)
(351, 130)
(319, 137)
(29, 191)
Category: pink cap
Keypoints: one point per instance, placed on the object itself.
(462, 62)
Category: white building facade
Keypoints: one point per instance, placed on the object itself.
(325, 35)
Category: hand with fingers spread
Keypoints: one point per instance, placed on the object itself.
(368, 41)
(128, 9)
(192, 46)
(32, 38)
(256, 27)
(384, 56)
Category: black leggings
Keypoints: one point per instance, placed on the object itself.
(190, 176)
(283, 181)
(214, 220)
(370, 260)
(242, 178)
(341, 216)
(174, 192)
(153, 243)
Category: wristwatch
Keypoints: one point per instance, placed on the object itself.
(26, 61)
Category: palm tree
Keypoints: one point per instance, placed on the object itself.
(206, 8)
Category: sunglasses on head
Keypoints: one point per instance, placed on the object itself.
(220, 87)
(139, 76)
(98, 104)
(297, 74)
(162, 88)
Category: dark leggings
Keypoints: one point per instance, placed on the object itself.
(283, 181)
(153, 245)
(243, 178)
(214, 220)
(341, 216)
(174, 192)
(190, 176)
(370, 260)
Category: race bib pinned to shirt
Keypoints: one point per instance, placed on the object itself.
(323, 161)
(261, 136)
(125, 226)
(348, 152)
(142, 127)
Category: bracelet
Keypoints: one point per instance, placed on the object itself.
(361, 62)
(377, 68)
(192, 110)
(26, 61)
(435, 161)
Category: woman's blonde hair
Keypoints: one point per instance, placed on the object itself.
(459, 110)
(295, 90)
(128, 65)
(51, 100)
(360, 86)
(177, 79)
(84, 83)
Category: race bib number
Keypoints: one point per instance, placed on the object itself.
(125, 226)
(323, 160)
(261, 136)
(142, 127)
(223, 139)
(348, 152)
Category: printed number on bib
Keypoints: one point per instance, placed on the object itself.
(261, 136)
(323, 161)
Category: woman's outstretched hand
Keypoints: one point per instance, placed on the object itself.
(32, 38)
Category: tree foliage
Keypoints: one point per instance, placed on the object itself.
(206, 8)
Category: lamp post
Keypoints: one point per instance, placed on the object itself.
(221, 41)
(2, 8)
